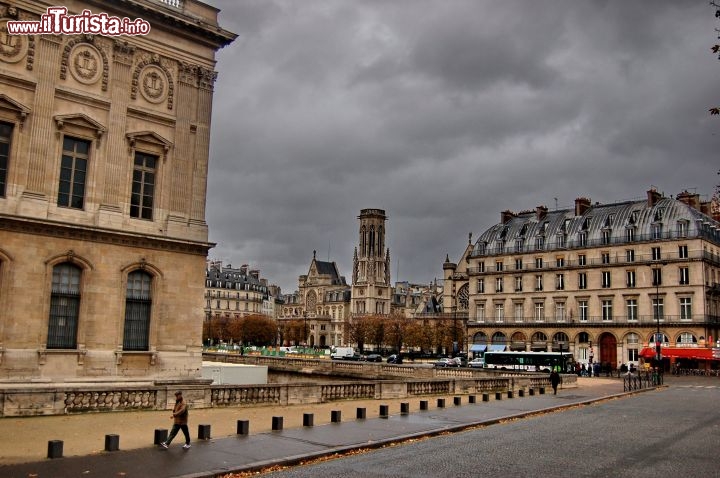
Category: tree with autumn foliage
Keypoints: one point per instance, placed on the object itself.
(257, 329)
(397, 331)
(292, 331)
(360, 331)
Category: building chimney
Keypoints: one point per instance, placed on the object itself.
(653, 197)
(581, 205)
(692, 200)
(255, 273)
(243, 269)
(506, 216)
(541, 212)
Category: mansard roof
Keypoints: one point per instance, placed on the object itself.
(238, 279)
(600, 224)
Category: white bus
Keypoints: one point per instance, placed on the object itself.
(530, 361)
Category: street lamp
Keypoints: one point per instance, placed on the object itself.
(658, 338)
(305, 331)
(658, 351)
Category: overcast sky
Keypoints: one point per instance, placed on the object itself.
(444, 113)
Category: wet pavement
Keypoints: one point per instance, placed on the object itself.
(218, 456)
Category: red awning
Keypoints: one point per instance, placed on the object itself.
(677, 352)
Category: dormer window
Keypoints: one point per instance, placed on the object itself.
(659, 214)
(586, 224)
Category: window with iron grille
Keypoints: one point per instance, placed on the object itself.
(64, 307)
(630, 255)
(685, 308)
(143, 186)
(138, 303)
(607, 310)
(583, 311)
(73, 172)
(631, 307)
(6, 130)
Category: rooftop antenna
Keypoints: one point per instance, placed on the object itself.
(556, 203)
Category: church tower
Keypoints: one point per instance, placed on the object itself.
(371, 291)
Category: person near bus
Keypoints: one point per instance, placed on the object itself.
(554, 380)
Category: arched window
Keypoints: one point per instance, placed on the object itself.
(499, 338)
(686, 338)
(64, 307)
(138, 302)
(539, 337)
(561, 337)
(479, 338)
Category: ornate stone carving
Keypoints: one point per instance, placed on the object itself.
(87, 62)
(13, 48)
(123, 52)
(207, 78)
(188, 74)
(154, 81)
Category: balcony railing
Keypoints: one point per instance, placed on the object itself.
(641, 320)
(172, 3)
(620, 259)
(510, 247)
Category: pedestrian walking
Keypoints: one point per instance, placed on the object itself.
(180, 422)
(554, 380)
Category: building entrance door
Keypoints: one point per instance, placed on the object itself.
(608, 351)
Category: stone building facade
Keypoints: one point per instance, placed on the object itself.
(322, 302)
(236, 292)
(598, 280)
(104, 145)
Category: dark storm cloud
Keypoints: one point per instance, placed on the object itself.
(445, 113)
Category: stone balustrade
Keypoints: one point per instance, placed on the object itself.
(369, 381)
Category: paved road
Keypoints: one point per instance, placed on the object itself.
(672, 432)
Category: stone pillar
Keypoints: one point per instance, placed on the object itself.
(42, 127)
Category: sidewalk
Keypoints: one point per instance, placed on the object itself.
(263, 447)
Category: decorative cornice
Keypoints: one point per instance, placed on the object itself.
(103, 236)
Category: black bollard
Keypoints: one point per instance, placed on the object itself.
(203, 432)
(55, 449)
(161, 435)
(308, 419)
(243, 427)
(112, 442)
(335, 416)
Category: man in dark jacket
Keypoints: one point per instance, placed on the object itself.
(180, 421)
(554, 381)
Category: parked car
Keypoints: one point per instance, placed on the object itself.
(461, 361)
(373, 358)
(446, 362)
(395, 358)
(477, 363)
